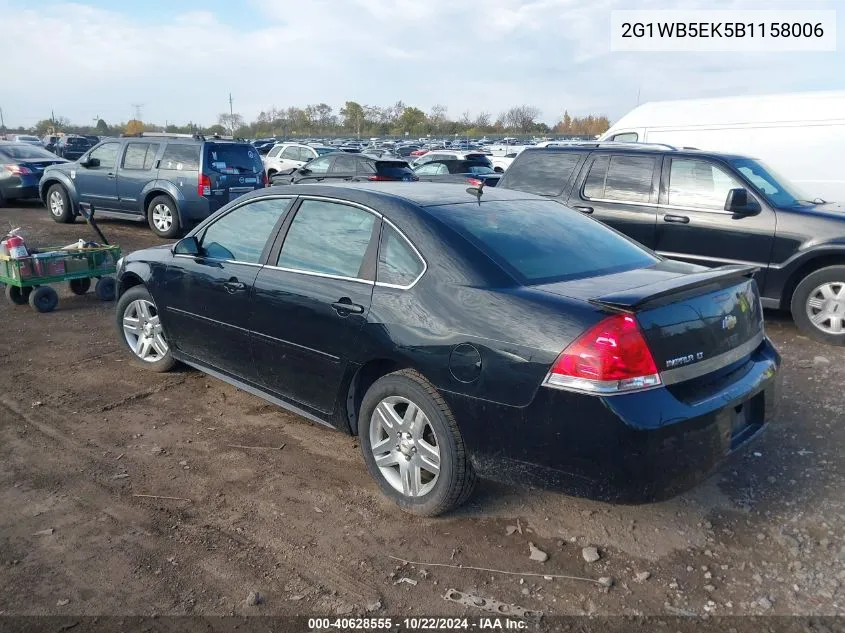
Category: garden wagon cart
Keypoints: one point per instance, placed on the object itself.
(27, 278)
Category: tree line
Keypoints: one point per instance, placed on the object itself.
(353, 119)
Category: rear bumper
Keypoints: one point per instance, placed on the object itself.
(20, 186)
(634, 448)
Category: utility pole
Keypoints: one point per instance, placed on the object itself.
(137, 108)
(2, 122)
(638, 95)
(231, 115)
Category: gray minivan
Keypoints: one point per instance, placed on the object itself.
(172, 181)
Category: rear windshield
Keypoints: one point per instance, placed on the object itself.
(323, 150)
(393, 168)
(25, 152)
(232, 158)
(540, 241)
(82, 142)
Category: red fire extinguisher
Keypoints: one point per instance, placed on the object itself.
(16, 246)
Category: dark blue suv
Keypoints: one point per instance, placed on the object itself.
(172, 181)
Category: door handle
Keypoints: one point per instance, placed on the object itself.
(583, 209)
(677, 219)
(345, 307)
(233, 286)
(111, 175)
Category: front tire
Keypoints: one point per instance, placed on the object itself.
(818, 305)
(163, 217)
(140, 329)
(412, 446)
(58, 203)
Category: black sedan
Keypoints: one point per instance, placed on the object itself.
(21, 167)
(345, 167)
(458, 335)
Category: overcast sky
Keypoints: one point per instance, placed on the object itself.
(180, 59)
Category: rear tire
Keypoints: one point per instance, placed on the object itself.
(44, 299)
(455, 479)
(58, 204)
(818, 305)
(18, 296)
(163, 217)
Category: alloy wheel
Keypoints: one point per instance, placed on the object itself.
(57, 204)
(162, 217)
(143, 332)
(826, 307)
(405, 446)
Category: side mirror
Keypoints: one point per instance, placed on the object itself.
(91, 162)
(739, 202)
(187, 246)
(304, 170)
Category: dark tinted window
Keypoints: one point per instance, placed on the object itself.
(540, 240)
(398, 264)
(181, 157)
(78, 142)
(393, 168)
(594, 185)
(328, 238)
(542, 173)
(106, 154)
(343, 164)
(233, 158)
(629, 178)
(242, 234)
(139, 155)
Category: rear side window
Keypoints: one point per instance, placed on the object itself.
(139, 156)
(539, 241)
(327, 238)
(398, 264)
(542, 173)
(181, 157)
(622, 178)
(242, 234)
(232, 158)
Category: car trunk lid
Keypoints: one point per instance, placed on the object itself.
(233, 169)
(694, 323)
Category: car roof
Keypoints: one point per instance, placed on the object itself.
(636, 148)
(423, 194)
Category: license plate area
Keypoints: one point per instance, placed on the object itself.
(747, 418)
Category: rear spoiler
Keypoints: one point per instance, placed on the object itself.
(635, 298)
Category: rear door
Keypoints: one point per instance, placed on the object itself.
(135, 171)
(312, 299)
(693, 225)
(179, 165)
(233, 169)
(621, 190)
(208, 296)
(97, 185)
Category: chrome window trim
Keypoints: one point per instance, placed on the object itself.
(680, 374)
(705, 258)
(384, 284)
(312, 273)
(609, 201)
(215, 259)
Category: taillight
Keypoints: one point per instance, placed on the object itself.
(381, 177)
(265, 181)
(204, 185)
(475, 182)
(611, 357)
(18, 170)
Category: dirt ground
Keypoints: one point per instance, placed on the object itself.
(82, 432)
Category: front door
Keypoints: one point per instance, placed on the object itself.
(315, 171)
(208, 296)
(312, 302)
(135, 171)
(693, 225)
(621, 191)
(97, 184)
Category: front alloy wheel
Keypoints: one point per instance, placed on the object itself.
(142, 331)
(405, 446)
(826, 307)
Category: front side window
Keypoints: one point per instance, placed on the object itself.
(306, 154)
(398, 264)
(291, 153)
(242, 234)
(106, 154)
(699, 184)
(328, 238)
(344, 164)
(622, 178)
(274, 152)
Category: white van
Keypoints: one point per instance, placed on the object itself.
(800, 135)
